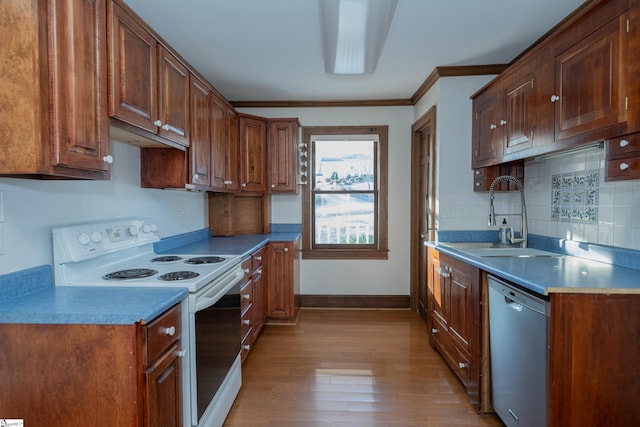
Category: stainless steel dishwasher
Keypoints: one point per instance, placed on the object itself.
(518, 328)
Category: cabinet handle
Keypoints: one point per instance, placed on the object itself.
(503, 122)
(624, 143)
(624, 166)
(492, 127)
(170, 331)
(246, 347)
(173, 129)
(435, 330)
(246, 321)
(181, 353)
(462, 365)
(555, 98)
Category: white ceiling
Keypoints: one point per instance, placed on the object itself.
(270, 50)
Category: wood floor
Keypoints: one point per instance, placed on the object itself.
(350, 368)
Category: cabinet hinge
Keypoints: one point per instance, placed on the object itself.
(628, 26)
(476, 116)
(626, 103)
(532, 83)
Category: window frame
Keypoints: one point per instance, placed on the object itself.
(380, 249)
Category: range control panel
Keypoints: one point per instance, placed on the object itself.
(84, 241)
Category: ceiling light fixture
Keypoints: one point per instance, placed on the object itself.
(353, 33)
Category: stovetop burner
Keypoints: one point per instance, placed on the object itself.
(204, 260)
(178, 275)
(166, 258)
(132, 273)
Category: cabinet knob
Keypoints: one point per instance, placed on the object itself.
(246, 296)
(157, 123)
(503, 122)
(463, 365)
(492, 127)
(244, 184)
(478, 184)
(108, 159)
(165, 127)
(286, 249)
(624, 166)
(196, 176)
(170, 331)
(258, 258)
(246, 347)
(247, 271)
(273, 186)
(624, 143)
(247, 321)
(555, 98)
(181, 353)
(434, 330)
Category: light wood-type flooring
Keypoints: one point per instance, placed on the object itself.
(350, 368)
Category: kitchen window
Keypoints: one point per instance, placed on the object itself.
(344, 209)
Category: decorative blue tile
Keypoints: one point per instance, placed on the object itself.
(574, 197)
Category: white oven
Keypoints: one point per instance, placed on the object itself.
(120, 253)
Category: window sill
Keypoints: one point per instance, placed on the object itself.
(380, 254)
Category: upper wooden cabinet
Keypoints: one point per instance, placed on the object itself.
(253, 153)
(283, 141)
(54, 74)
(574, 87)
(591, 91)
(200, 146)
(224, 133)
(149, 87)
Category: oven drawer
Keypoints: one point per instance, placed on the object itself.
(162, 332)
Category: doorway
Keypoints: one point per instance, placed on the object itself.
(423, 188)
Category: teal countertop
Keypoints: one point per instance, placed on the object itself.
(548, 275)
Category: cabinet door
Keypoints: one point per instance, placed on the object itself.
(78, 73)
(283, 156)
(200, 145)
(438, 302)
(133, 70)
(173, 96)
(224, 127)
(164, 390)
(253, 154)
(520, 115)
(487, 133)
(461, 308)
(280, 292)
(259, 302)
(591, 81)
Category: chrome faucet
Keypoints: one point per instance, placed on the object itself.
(522, 240)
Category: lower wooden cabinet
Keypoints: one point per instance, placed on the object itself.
(252, 300)
(77, 375)
(454, 318)
(283, 280)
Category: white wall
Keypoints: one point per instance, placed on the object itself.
(33, 207)
(361, 277)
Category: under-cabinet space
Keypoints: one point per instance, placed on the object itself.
(236, 214)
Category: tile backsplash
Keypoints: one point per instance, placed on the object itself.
(568, 198)
(574, 197)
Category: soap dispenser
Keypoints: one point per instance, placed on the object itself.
(504, 230)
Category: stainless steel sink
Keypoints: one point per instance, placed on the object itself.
(489, 249)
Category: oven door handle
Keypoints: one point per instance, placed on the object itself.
(210, 297)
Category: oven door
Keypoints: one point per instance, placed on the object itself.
(215, 322)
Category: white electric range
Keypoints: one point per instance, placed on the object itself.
(120, 253)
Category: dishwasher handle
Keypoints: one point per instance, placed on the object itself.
(514, 305)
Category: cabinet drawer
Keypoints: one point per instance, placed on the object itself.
(247, 268)
(256, 259)
(162, 332)
(246, 295)
(621, 169)
(456, 358)
(246, 322)
(624, 146)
